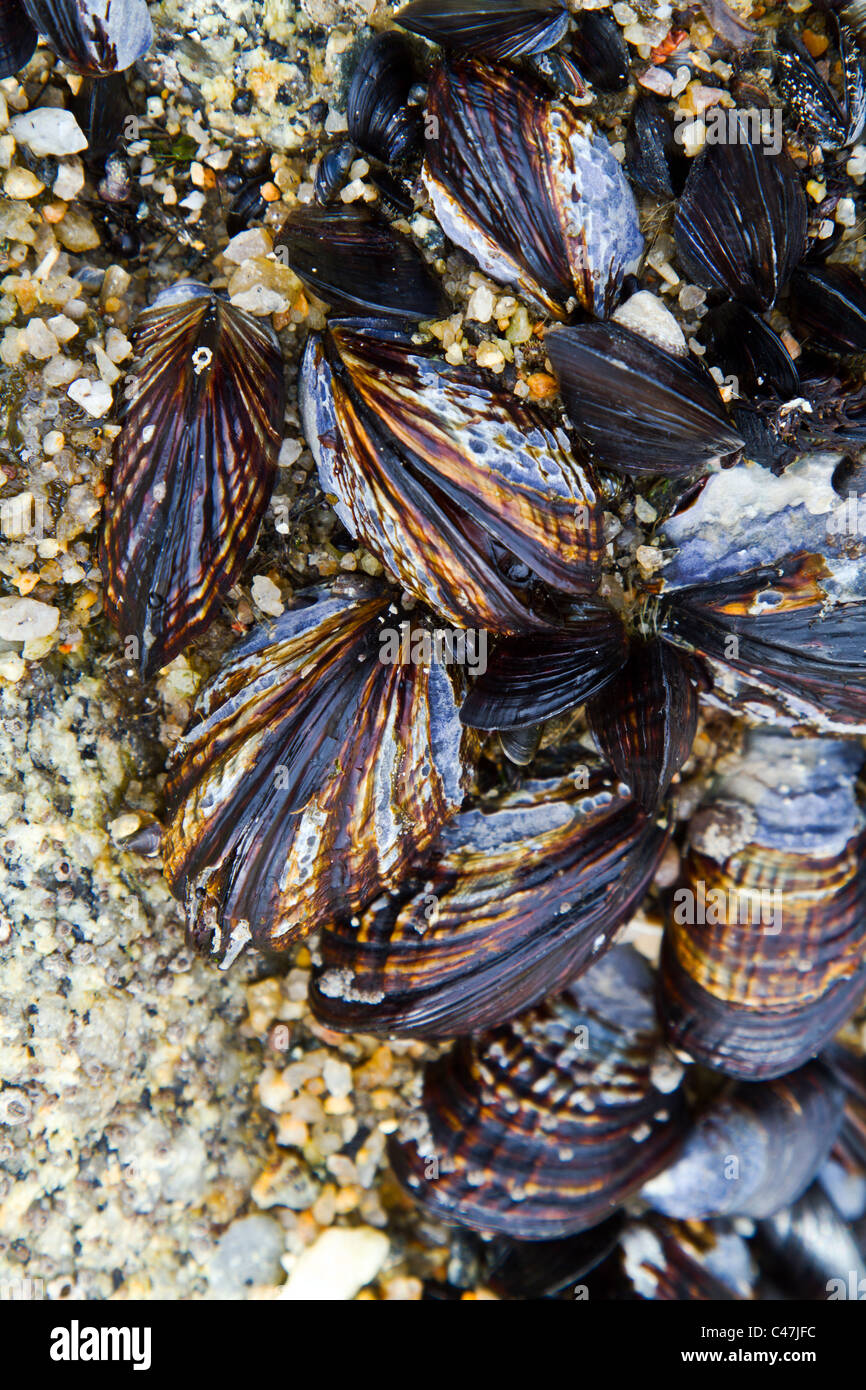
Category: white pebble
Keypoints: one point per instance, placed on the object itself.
(49, 130)
(70, 179)
(24, 619)
(266, 596)
(92, 396)
(337, 1265)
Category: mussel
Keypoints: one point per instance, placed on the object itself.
(17, 38)
(193, 468)
(94, 37)
(543, 1127)
(636, 407)
(831, 119)
(355, 262)
(493, 29)
(381, 121)
(740, 224)
(468, 496)
(753, 1151)
(313, 772)
(524, 892)
(764, 954)
(527, 188)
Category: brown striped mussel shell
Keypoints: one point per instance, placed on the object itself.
(526, 891)
(765, 949)
(312, 775)
(193, 468)
(470, 498)
(545, 1126)
(527, 188)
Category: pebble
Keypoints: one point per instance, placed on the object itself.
(267, 596)
(93, 396)
(255, 242)
(248, 1254)
(23, 619)
(49, 130)
(337, 1265)
(490, 356)
(645, 314)
(70, 179)
(21, 183)
(480, 306)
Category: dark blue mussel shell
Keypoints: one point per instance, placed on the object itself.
(353, 261)
(17, 38)
(380, 120)
(494, 29)
(740, 225)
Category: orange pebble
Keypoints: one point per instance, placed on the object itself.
(816, 43)
(54, 212)
(541, 385)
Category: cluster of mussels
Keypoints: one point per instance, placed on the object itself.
(471, 887)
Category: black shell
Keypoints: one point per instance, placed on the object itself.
(600, 51)
(532, 678)
(494, 29)
(653, 157)
(17, 38)
(637, 408)
(193, 467)
(644, 720)
(744, 345)
(741, 221)
(829, 119)
(94, 37)
(380, 120)
(827, 306)
(543, 1127)
(524, 892)
(753, 1151)
(101, 107)
(357, 264)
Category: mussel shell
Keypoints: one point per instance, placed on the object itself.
(637, 408)
(686, 1261)
(741, 222)
(524, 893)
(193, 467)
(355, 263)
(543, 1127)
(380, 120)
(532, 678)
(830, 120)
(754, 1151)
(527, 188)
(600, 50)
(101, 107)
(810, 1252)
(827, 306)
(644, 720)
(653, 157)
(334, 165)
(773, 638)
(312, 775)
(94, 37)
(764, 954)
(453, 483)
(17, 38)
(493, 29)
(744, 345)
(529, 1269)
